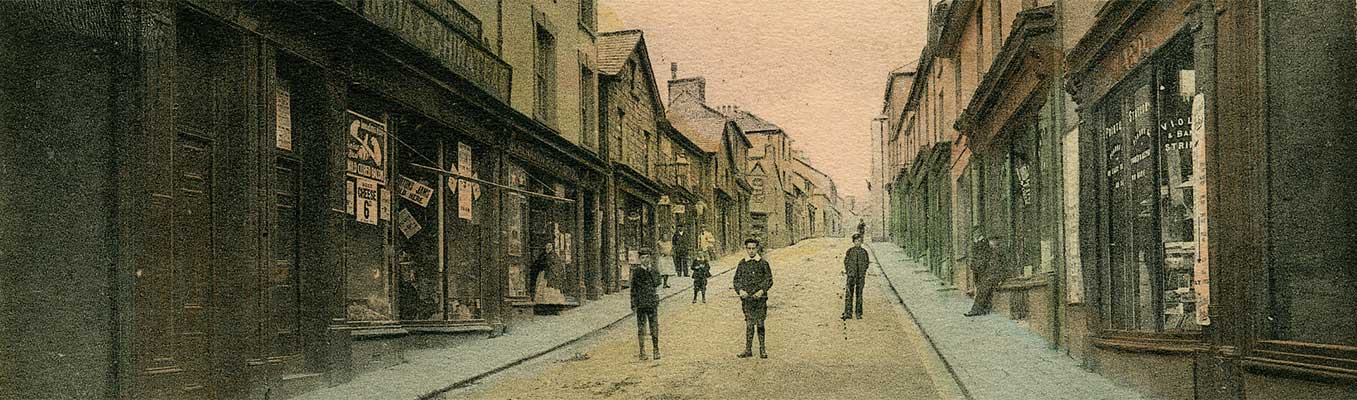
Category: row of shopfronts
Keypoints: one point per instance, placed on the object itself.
(255, 200)
(1163, 177)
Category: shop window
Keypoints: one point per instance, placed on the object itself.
(368, 286)
(1148, 180)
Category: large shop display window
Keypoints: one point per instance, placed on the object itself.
(1151, 174)
(415, 228)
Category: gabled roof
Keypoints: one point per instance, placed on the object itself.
(701, 124)
(749, 122)
(614, 48)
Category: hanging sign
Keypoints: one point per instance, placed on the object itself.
(282, 117)
(415, 191)
(463, 159)
(367, 143)
(365, 201)
(407, 223)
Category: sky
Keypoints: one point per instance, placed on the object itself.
(815, 68)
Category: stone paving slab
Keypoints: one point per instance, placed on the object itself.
(428, 372)
(991, 356)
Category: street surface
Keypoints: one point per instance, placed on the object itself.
(812, 353)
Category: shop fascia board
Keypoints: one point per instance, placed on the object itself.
(1112, 20)
(1031, 31)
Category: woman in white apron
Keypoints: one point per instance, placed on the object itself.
(665, 262)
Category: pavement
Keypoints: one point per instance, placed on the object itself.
(991, 356)
(429, 372)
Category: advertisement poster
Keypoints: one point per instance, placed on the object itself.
(415, 191)
(367, 146)
(517, 281)
(348, 197)
(385, 205)
(1201, 274)
(465, 191)
(408, 226)
(513, 215)
(463, 159)
(283, 118)
(365, 201)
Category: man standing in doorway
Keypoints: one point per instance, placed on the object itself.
(753, 277)
(855, 268)
(987, 264)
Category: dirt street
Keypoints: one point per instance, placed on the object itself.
(812, 353)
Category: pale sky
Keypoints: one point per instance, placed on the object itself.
(815, 68)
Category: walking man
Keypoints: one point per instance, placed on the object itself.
(855, 268)
(862, 227)
(989, 272)
(645, 302)
(752, 279)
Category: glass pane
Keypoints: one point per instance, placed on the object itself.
(1177, 214)
(416, 204)
(465, 228)
(367, 280)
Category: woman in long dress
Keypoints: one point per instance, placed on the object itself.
(665, 262)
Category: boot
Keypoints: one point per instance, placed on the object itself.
(763, 351)
(655, 344)
(748, 341)
(641, 343)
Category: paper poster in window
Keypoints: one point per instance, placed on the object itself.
(463, 159)
(464, 197)
(367, 143)
(385, 205)
(513, 215)
(517, 282)
(348, 196)
(1201, 274)
(366, 200)
(283, 118)
(414, 191)
(408, 226)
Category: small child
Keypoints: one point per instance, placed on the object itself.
(701, 271)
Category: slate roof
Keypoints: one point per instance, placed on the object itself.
(704, 126)
(614, 48)
(749, 122)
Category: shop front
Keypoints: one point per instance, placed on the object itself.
(637, 227)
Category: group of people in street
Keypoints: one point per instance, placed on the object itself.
(752, 281)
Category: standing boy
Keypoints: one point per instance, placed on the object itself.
(646, 303)
(752, 279)
(855, 268)
(681, 252)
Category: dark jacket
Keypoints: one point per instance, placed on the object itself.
(753, 275)
(680, 245)
(548, 263)
(643, 284)
(856, 261)
(985, 259)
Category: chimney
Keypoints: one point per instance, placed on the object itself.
(696, 86)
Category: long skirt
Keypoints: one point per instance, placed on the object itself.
(665, 266)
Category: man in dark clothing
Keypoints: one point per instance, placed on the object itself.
(645, 301)
(862, 228)
(681, 252)
(855, 268)
(546, 264)
(752, 279)
(988, 266)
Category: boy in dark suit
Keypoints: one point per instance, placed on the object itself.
(753, 277)
(855, 268)
(645, 301)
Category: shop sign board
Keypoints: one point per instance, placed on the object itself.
(407, 223)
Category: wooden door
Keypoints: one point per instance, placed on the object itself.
(282, 298)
